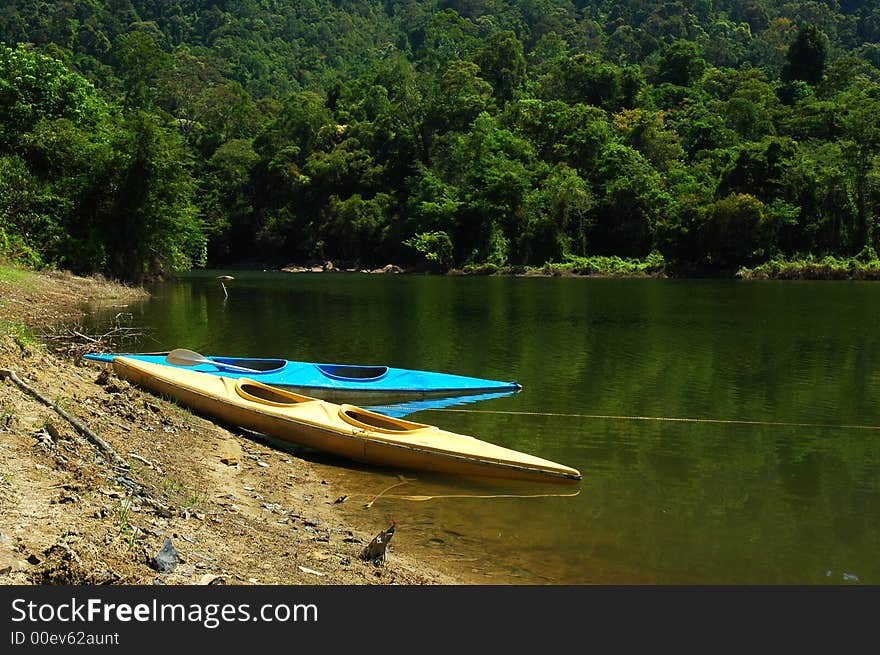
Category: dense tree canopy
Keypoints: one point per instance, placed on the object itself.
(138, 137)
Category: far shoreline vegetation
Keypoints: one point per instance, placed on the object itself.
(864, 266)
(633, 138)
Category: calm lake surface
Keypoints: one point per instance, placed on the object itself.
(728, 432)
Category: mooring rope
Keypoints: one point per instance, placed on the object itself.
(671, 419)
(382, 493)
(423, 497)
(420, 498)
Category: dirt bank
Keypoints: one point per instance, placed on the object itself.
(237, 511)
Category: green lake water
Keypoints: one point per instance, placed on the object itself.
(728, 432)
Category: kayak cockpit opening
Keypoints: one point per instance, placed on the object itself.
(367, 420)
(359, 373)
(257, 365)
(262, 393)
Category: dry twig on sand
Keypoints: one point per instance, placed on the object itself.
(102, 445)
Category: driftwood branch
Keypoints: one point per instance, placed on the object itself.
(102, 445)
(75, 341)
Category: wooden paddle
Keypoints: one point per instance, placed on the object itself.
(184, 357)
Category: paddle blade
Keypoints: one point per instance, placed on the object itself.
(184, 357)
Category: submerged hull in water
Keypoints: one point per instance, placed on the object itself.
(341, 379)
(343, 430)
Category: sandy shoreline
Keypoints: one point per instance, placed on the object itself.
(237, 511)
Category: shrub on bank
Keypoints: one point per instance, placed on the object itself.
(864, 266)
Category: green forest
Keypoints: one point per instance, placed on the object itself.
(693, 137)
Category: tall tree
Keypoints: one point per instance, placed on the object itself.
(807, 56)
(503, 64)
(153, 227)
(680, 64)
(141, 63)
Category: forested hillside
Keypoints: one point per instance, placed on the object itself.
(141, 137)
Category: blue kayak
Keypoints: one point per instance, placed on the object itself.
(307, 377)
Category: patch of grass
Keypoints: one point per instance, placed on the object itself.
(183, 414)
(19, 334)
(178, 493)
(129, 531)
(170, 486)
(136, 469)
(192, 499)
(122, 515)
(15, 275)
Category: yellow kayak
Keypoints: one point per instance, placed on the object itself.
(344, 430)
